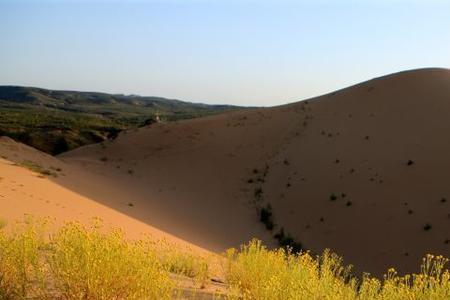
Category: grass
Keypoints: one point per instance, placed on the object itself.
(39, 261)
(37, 168)
(184, 262)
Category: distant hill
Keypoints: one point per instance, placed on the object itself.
(56, 121)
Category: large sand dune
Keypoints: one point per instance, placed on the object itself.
(334, 169)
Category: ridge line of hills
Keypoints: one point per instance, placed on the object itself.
(56, 121)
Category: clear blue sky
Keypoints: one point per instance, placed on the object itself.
(237, 52)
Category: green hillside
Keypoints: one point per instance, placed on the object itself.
(58, 121)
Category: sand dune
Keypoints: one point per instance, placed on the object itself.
(25, 192)
(337, 173)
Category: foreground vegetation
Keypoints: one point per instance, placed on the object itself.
(78, 262)
(258, 273)
(38, 261)
(58, 121)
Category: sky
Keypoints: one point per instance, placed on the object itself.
(259, 53)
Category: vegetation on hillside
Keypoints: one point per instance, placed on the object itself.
(58, 121)
(78, 262)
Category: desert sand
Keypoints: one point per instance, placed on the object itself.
(361, 170)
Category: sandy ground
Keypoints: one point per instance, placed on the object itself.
(24, 192)
(196, 179)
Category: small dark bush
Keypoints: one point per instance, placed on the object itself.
(60, 146)
(113, 133)
(265, 216)
(258, 193)
(285, 240)
(427, 227)
(333, 197)
(409, 162)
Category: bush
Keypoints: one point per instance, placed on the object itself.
(287, 241)
(79, 263)
(258, 193)
(89, 264)
(265, 216)
(183, 262)
(427, 227)
(20, 266)
(255, 272)
(60, 146)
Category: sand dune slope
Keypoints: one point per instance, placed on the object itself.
(381, 148)
(197, 179)
(26, 192)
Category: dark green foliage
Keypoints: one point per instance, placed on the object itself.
(427, 227)
(265, 216)
(285, 240)
(58, 121)
(60, 146)
(258, 193)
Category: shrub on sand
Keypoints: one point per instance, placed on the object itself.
(255, 272)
